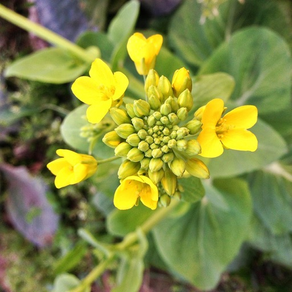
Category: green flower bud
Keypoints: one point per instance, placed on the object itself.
(157, 115)
(143, 146)
(130, 110)
(122, 149)
(145, 163)
(128, 168)
(148, 153)
(135, 155)
(181, 80)
(173, 118)
(112, 139)
(153, 146)
(197, 168)
(164, 120)
(194, 126)
(185, 99)
(165, 149)
(156, 176)
(119, 115)
(137, 123)
(156, 153)
(151, 121)
(149, 140)
(164, 87)
(155, 164)
(171, 143)
(172, 101)
(133, 140)
(154, 102)
(166, 132)
(177, 166)
(182, 133)
(177, 195)
(142, 134)
(173, 134)
(165, 109)
(141, 108)
(199, 113)
(125, 130)
(155, 129)
(193, 148)
(168, 157)
(151, 79)
(169, 182)
(165, 200)
(181, 145)
(182, 113)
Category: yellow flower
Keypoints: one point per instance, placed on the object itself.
(181, 81)
(229, 131)
(101, 91)
(134, 187)
(144, 51)
(72, 168)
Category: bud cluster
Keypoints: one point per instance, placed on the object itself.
(150, 137)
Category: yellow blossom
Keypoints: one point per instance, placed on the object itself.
(101, 90)
(144, 51)
(72, 168)
(181, 81)
(134, 187)
(228, 132)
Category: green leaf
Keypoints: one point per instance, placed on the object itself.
(70, 130)
(71, 259)
(66, 282)
(231, 163)
(272, 199)
(120, 30)
(200, 244)
(261, 70)
(120, 223)
(52, 65)
(193, 189)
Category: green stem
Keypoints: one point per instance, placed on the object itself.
(108, 160)
(44, 33)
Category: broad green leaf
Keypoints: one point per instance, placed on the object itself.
(71, 259)
(66, 282)
(200, 244)
(120, 223)
(193, 189)
(51, 65)
(70, 130)
(120, 30)
(261, 70)
(272, 199)
(231, 163)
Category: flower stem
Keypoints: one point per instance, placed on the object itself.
(44, 33)
(108, 160)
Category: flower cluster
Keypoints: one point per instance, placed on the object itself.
(154, 137)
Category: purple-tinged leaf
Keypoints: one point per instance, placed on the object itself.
(27, 205)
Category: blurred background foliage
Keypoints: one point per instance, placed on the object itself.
(250, 41)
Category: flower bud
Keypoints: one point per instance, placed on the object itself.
(173, 118)
(130, 110)
(168, 157)
(148, 153)
(155, 164)
(199, 113)
(177, 166)
(171, 143)
(154, 102)
(182, 132)
(119, 115)
(141, 108)
(181, 145)
(165, 200)
(157, 115)
(151, 121)
(164, 120)
(181, 80)
(133, 140)
(197, 168)
(122, 149)
(137, 123)
(172, 101)
(145, 163)
(142, 134)
(185, 99)
(156, 176)
(164, 87)
(193, 148)
(156, 153)
(112, 139)
(128, 168)
(151, 79)
(149, 140)
(166, 132)
(182, 113)
(135, 155)
(165, 109)
(169, 182)
(125, 130)
(143, 146)
(194, 126)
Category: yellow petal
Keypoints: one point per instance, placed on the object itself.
(212, 112)
(240, 139)
(70, 156)
(101, 73)
(56, 165)
(153, 188)
(156, 42)
(86, 90)
(126, 195)
(96, 112)
(243, 117)
(210, 143)
(121, 84)
(80, 173)
(64, 177)
(134, 46)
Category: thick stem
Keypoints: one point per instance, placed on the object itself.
(45, 33)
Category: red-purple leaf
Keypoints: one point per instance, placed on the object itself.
(27, 205)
